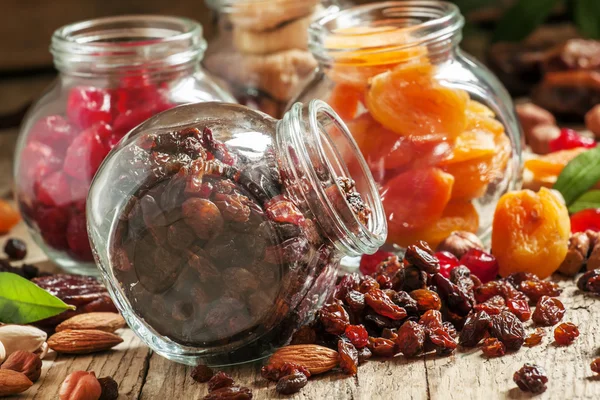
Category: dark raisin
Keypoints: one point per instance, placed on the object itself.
(413, 279)
(492, 347)
(508, 329)
(381, 347)
(536, 289)
(457, 300)
(203, 216)
(219, 380)
(15, 249)
(548, 311)
(476, 327)
(201, 373)
(368, 283)
(348, 357)
(346, 284)
(334, 318)
(358, 336)
(534, 338)
(230, 393)
(292, 383)
(411, 339)
(494, 288)
(531, 378)
(110, 388)
(355, 301)
(404, 300)
(276, 372)
(518, 277)
(421, 256)
(304, 335)
(566, 333)
(584, 281)
(364, 354)
(383, 305)
(449, 327)
(436, 332)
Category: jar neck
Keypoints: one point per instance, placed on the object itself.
(266, 6)
(389, 32)
(310, 142)
(145, 45)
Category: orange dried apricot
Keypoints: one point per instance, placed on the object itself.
(9, 216)
(409, 101)
(552, 164)
(530, 232)
(457, 216)
(345, 99)
(415, 199)
(479, 108)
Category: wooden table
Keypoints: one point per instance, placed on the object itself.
(463, 375)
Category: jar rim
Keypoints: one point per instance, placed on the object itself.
(401, 25)
(128, 40)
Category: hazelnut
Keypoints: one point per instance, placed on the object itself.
(459, 243)
(540, 136)
(592, 120)
(579, 246)
(80, 385)
(531, 116)
(593, 261)
(110, 388)
(25, 362)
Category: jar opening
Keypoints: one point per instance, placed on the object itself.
(384, 27)
(135, 41)
(320, 144)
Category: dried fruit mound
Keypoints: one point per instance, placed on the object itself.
(408, 307)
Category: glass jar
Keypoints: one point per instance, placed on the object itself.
(114, 73)
(261, 48)
(219, 229)
(437, 129)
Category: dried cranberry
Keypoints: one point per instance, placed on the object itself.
(77, 237)
(520, 308)
(348, 357)
(292, 383)
(583, 220)
(531, 378)
(369, 262)
(86, 153)
(358, 336)
(548, 311)
(15, 249)
(53, 190)
(383, 305)
(54, 131)
(88, 105)
(448, 262)
(481, 264)
(411, 338)
(566, 333)
(492, 347)
(129, 119)
(570, 139)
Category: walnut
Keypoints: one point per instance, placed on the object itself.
(592, 121)
(459, 243)
(579, 247)
(593, 261)
(531, 116)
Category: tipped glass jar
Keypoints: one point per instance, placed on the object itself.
(437, 129)
(220, 230)
(114, 73)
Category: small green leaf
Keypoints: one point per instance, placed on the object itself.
(522, 19)
(579, 176)
(587, 17)
(590, 199)
(23, 302)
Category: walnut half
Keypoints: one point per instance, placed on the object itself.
(584, 248)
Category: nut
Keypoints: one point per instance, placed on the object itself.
(592, 121)
(593, 261)
(110, 388)
(42, 351)
(83, 341)
(80, 385)
(13, 382)
(102, 321)
(540, 137)
(317, 359)
(25, 362)
(2, 353)
(459, 243)
(21, 337)
(531, 116)
(579, 246)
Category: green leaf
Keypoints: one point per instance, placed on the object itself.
(522, 18)
(587, 17)
(23, 302)
(580, 174)
(590, 199)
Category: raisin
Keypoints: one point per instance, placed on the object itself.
(584, 281)
(355, 301)
(364, 354)
(388, 333)
(411, 338)
(492, 306)
(494, 288)
(520, 308)
(383, 305)
(508, 329)
(566, 333)
(492, 347)
(385, 282)
(280, 209)
(274, 372)
(233, 207)
(450, 329)
(595, 366)
(367, 284)
(219, 380)
(421, 256)
(334, 318)
(292, 383)
(15, 249)
(358, 336)
(457, 300)
(413, 278)
(461, 276)
(534, 338)
(548, 311)
(230, 393)
(516, 278)
(346, 284)
(202, 373)
(304, 335)
(531, 378)
(436, 332)
(203, 216)
(381, 347)
(290, 251)
(476, 327)
(536, 289)
(426, 299)
(404, 300)
(110, 388)
(348, 357)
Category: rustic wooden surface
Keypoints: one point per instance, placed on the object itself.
(464, 375)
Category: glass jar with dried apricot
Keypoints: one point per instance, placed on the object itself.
(436, 128)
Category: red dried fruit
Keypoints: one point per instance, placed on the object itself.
(448, 262)
(421, 256)
(436, 333)
(348, 357)
(548, 311)
(566, 333)
(508, 329)
(334, 318)
(595, 366)
(492, 347)
(520, 308)
(230, 393)
(202, 373)
(382, 347)
(495, 288)
(355, 301)
(367, 284)
(585, 220)
(531, 378)
(86, 153)
(588, 282)
(37, 161)
(358, 335)
(492, 306)
(274, 372)
(54, 190)
(77, 238)
(15, 249)
(281, 209)
(426, 299)
(411, 339)
(203, 216)
(534, 338)
(219, 380)
(88, 105)
(476, 327)
(570, 139)
(369, 262)
(292, 383)
(383, 305)
(54, 131)
(536, 289)
(481, 264)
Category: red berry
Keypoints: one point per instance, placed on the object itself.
(127, 120)
(448, 262)
(369, 262)
(37, 161)
(358, 335)
(52, 223)
(54, 131)
(87, 106)
(570, 139)
(79, 190)
(77, 237)
(586, 219)
(481, 264)
(53, 190)
(86, 153)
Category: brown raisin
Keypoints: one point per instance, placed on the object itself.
(595, 366)
(230, 393)
(548, 311)
(426, 299)
(534, 338)
(531, 378)
(411, 339)
(219, 380)
(304, 335)
(589, 282)
(508, 329)
(202, 373)
(292, 383)
(494, 288)
(274, 372)
(536, 289)
(413, 279)
(368, 283)
(492, 347)
(520, 308)
(383, 305)
(449, 327)
(436, 332)
(566, 333)
(404, 300)
(203, 216)
(348, 357)
(355, 301)
(476, 327)
(364, 354)
(110, 388)
(334, 318)
(516, 278)
(381, 347)
(421, 256)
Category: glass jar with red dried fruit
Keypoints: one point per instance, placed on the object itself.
(260, 48)
(114, 73)
(220, 229)
(437, 129)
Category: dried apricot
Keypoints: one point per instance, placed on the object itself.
(551, 165)
(530, 232)
(9, 216)
(345, 99)
(409, 101)
(479, 108)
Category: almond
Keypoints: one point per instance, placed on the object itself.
(317, 359)
(76, 341)
(102, 321)
(13, 382)
(25, 362)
